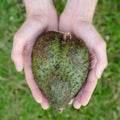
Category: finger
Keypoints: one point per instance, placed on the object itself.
(32, 85)
(101, 56)
(37, 94)
(45, 103)
(86, 92)
(76, 102)
(88, 88)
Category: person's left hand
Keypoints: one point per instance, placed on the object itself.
(84, 30)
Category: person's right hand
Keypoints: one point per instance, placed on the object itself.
(84, 30)
(24, 39)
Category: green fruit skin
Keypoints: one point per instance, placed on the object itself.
(59, 69)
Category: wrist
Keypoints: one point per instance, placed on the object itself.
(84, 9)
(38, 7)
(80, 17)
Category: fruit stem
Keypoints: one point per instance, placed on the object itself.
(66, 37)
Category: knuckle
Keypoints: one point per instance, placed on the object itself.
(101, 46)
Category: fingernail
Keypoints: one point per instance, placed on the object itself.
(18, 68)
(71, 101)
(45, 106)
(77, 105)
(84, 104)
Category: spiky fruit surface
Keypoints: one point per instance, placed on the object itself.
(60, 66)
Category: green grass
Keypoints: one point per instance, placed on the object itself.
(16, 102)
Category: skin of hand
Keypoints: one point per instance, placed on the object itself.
(77, 20)
(41, 17)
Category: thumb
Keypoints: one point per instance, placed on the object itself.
(101, 59)
(16, 54)
(28, 32)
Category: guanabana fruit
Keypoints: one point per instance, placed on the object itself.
(60, 64)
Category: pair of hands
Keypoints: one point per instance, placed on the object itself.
(35, 25)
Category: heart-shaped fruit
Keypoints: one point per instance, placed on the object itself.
(60, 64)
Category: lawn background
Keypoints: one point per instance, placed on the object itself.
(16, 102)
